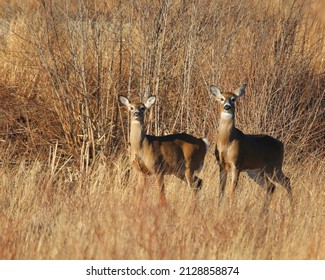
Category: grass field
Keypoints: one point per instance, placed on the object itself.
(66, 188)
(70, 216)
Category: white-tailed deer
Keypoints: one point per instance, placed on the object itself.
(260, 156)
(179, 154)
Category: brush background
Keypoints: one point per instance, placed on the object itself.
(66, 189)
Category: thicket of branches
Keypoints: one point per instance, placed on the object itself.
(63, 63)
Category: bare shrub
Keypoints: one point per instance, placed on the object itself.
(72, 58)
(66, 187)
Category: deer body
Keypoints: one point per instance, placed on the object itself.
(260, 156)
(179, 154)
(168, 154)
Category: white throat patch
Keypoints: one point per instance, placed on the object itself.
(226, 115)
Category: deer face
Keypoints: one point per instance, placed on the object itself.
(137, 110)
(227, 100)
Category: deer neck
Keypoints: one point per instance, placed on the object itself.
(226, 131)
(137, 135)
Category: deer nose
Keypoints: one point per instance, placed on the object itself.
(227, 107)
(136, 113)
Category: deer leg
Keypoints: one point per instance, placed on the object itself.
(189, 177)
(192, 182)
(284, 181)
(234, 179)
(270, 188)
(216, 154)
(261, 178)
(161, 186)
(141, 175)
(222, 174)
(197, 184)
(141, 180)
(257, 175)
(140, 188)
(223, 181)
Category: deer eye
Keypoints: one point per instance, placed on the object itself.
(222, 99)
(233, 99)
(131, 108)
(142, 109)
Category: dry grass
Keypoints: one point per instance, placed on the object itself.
(70, 216)
(66, 188)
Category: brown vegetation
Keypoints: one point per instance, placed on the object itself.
(66, 189)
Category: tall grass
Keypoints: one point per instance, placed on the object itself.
(67, 190)
(71, 216)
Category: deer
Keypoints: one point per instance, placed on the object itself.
(260, 156)
(179, 154)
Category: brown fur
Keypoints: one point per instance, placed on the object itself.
(261, 156)
(178, 154)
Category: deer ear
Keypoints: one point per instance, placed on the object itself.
(124, 100)
(215, 91)
(240, 91)
(150, 101)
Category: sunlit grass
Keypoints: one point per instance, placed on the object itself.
(66, 188)
(96, 217)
